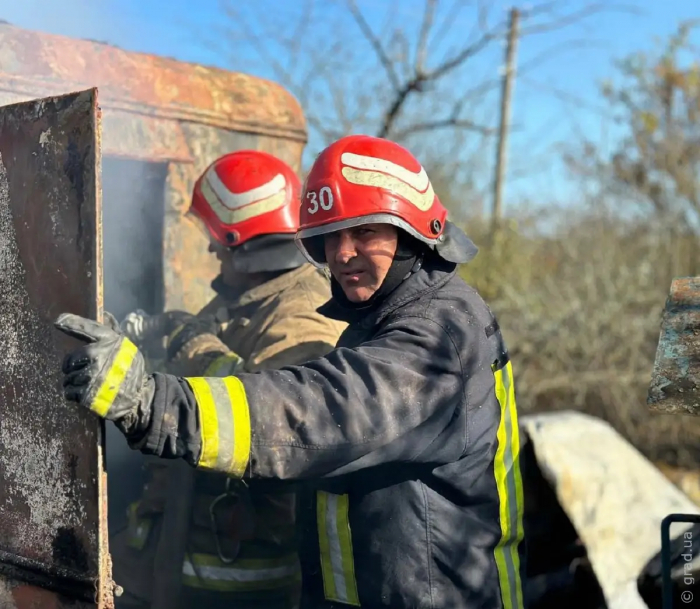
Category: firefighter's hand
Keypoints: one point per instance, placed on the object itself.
(140, 327)
(107, 374)
(187, 328)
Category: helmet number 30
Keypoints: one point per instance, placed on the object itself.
(322, 199)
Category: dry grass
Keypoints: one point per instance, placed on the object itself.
(580, 311)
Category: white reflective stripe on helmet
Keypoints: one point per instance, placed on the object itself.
(381, 173)
(232, 208)
(331, 227)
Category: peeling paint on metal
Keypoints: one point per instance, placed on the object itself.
(44, 137)
(675, 383)
(6, 600)
(36, 64)
(29, 460)
(162, 111)
(48, 463)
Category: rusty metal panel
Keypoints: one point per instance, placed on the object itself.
(131, 136)
(675, 383)
(143, 138)
(34, 64)
(189, 269)
(53, 549)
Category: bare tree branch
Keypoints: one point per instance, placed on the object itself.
(563, 95)
(374, 41)
(442, 124)
(465, 54)
(564, 21)
(423, 35)
(450, 17)
(299, 33)
(547, 54)
(400, 73)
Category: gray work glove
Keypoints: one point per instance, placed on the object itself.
(107, 375)
(140, 327)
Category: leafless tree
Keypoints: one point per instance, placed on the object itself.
(397, 69)
(654, 166)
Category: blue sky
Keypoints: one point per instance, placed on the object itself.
(551, 105)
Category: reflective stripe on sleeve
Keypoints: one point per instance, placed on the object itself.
(335, 543)
(206, 571)
(224, 424)
(226, 365)
(106, 394)
(138, 528)
(510, 491)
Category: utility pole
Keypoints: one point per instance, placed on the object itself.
(504, 123)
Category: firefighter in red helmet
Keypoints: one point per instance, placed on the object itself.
(405, 435)
(241, 540)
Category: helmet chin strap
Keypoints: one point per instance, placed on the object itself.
(407, 260)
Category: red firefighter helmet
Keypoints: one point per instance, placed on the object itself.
(246, 194)
(363, 180)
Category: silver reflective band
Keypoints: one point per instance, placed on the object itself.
(335, 543)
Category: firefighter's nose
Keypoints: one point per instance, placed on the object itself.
(344, 247)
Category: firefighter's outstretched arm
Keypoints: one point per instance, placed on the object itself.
(386, 401)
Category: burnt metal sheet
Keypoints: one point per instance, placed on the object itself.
(52, 531)
(143, 138)
(34, 64)
(675, 383)
(131, 136)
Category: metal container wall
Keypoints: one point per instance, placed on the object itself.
(52, 501)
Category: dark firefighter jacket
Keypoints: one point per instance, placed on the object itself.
(407, 435)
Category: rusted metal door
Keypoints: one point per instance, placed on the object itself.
(53, 544)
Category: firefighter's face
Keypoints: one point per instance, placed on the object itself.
(359, 258)
(229, 275)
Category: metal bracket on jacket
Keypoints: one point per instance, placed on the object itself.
(666, 582)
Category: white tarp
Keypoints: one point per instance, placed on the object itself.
(614, 497)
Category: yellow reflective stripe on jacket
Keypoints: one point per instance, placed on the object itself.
(335, 542)
(138, 528)
(174, 333)
(206, 571)
(104, 398)
(510, 491)
(224, 423)
(226, 365)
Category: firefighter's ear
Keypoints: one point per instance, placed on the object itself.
(83, 328)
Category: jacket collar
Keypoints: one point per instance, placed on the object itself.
(239, 298)
(434, 273)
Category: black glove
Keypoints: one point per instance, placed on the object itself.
(107, 375)
(185, 327)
